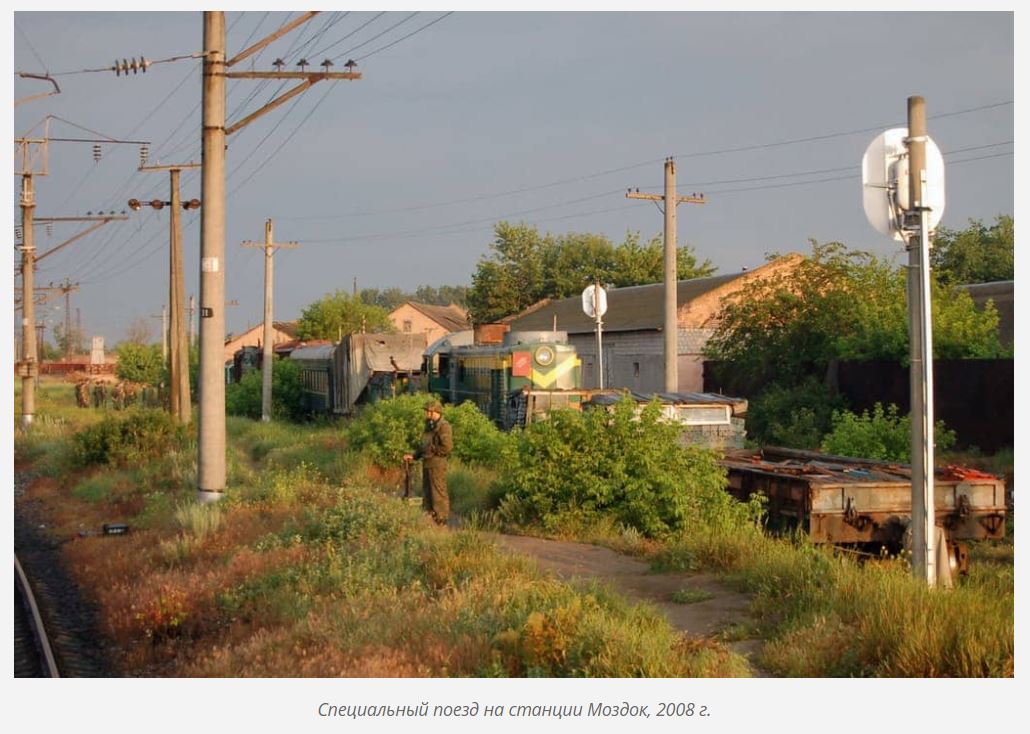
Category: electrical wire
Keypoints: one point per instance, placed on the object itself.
(404, 38)
(356, 30)
(349, 51)
(31, 47)
(169, 60)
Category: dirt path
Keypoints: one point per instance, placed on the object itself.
(722, 609)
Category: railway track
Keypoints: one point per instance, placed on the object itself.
(33, 654)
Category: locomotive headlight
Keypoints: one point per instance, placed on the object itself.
(544, 356)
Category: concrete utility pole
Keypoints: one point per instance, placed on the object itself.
(178, 366)
(29, 366)
(924, 555)
(164, 332)
(68, 321)
(193, 310)
(211, 425)
(671, 326)
(269, 246)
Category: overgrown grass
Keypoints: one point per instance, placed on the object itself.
(312, 566)
(828, 616)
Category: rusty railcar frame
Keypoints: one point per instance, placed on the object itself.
(839, 499)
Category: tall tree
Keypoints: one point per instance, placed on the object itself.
(526, 266)
(841, 304)
(338, 314)
(976, 254)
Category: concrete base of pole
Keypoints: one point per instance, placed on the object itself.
(26, 420)
(207, 497)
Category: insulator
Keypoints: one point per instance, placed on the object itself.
(144, 154)
(157, 204)
(49, 229)
(96, 153)
(17, 232)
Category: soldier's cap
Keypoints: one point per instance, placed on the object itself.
(434, 405)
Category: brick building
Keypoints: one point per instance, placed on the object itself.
(432, 321)
(282, 331)
(632, 333)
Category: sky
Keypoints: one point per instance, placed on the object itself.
(465, 119)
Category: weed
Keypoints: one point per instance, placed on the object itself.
(691, 596)
(198, 520)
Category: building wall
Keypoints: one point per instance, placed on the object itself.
(636, 359)
(409, 320)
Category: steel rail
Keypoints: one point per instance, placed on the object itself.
(41, 635)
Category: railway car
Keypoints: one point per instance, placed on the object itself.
(316, 376)
(526, 375)
(853, 501)
(362, 368)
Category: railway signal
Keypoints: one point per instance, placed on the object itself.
(178, 364)
(903, 196)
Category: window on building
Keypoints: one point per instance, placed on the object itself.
(407, 326)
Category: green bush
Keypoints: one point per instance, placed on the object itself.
(797, 417)
(141, 363)
(244, 397)
(574, 469)
(387, 429)
(139, 436)
(882, 434)
(477, 440)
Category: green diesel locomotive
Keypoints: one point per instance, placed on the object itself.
(528, 374)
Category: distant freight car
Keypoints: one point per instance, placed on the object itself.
(526, 375)
(363, 368)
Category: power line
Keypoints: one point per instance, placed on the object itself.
(283, 144)
(143, 64)
(356, 30)
(402, 38)
(31, 47)
(378, 35)
(620, 169)
(500, 217)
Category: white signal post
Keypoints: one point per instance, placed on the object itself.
(903, 196)
(595, 305)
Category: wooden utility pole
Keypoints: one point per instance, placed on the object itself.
(211, 425)
(671, 326)
(269, 246)
(178, 365)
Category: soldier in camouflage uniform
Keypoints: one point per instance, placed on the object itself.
(437, 443)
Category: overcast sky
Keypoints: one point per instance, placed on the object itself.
(546, 118)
